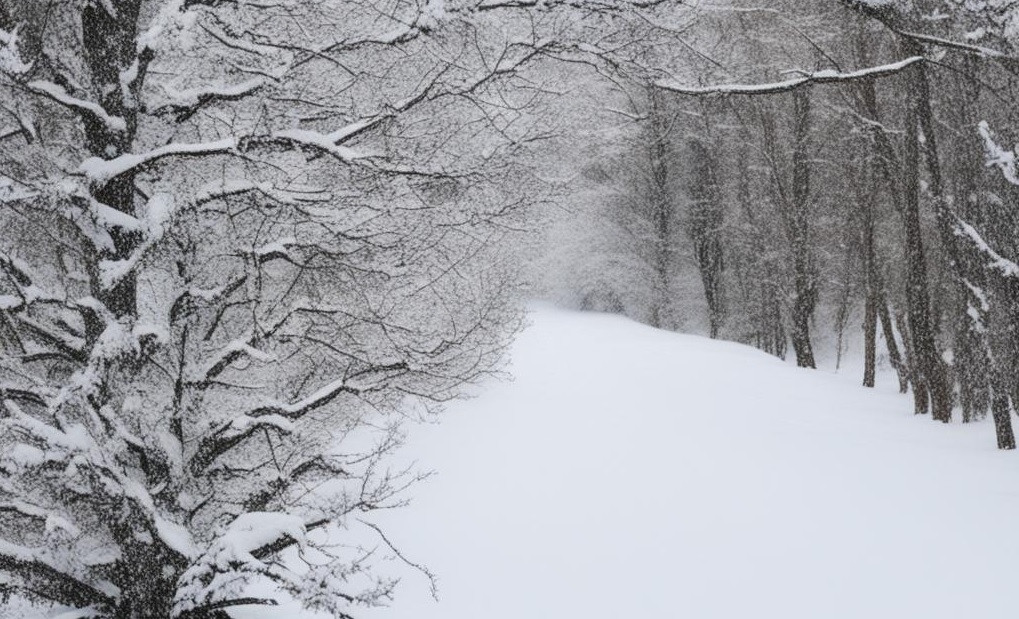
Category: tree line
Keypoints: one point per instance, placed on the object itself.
(827, 170)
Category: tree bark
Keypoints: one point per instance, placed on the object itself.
(110, 50)
(870, 307)
(932, 364)
(927, 359)
(805, 298)
(888, 330)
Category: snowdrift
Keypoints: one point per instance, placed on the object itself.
(631, 473)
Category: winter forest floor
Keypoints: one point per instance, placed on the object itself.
(627, 472)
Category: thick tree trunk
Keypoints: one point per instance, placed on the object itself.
(147, 571)
(110, 45)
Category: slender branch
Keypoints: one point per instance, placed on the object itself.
(817, 77)
(284, 542)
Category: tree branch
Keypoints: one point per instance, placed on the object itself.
(89, 109)
(51, 583)
(818, 77)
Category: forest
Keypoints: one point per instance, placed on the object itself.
(245, 243)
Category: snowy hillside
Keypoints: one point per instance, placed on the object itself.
(633, 473)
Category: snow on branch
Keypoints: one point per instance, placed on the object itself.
(50, 520)
(327, 394)
(232, 434)
(997, 156)
(316, 400)
(885, 12)
(979, 50)
(345, 133)
(219, 578)
(230, 353)
(613, 6)
(184, 103)
(101, 171)
(223, 189)
(827, 76)
(47, 581)
(1004, 266)
(279, 416)
(321, 141)
(10, 57)
(160, 209)
(13, 191)
(92, 109)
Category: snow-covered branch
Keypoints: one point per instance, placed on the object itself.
(330, 392)
(45, 580)
(241, 551)
(279, 416)
(610, 6)
(818, 77)
(88, 108)
(1003, 266)
(231, 353)
(184, 103)
(324, 142)
(101, 171)
(998, 157)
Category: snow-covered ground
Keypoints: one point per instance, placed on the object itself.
(632, 473)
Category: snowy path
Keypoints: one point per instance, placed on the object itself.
(630, 473)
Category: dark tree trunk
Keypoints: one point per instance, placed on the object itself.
(888, 166)
(110, 46)
(805, 284)
(940, 383)
(147, 571)
(927, 359)
(1001, 410)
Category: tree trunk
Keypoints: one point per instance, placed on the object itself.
(926, 358)
(870, 307)
(1001, 411)
(706, 218)
(888, 330)
(110, 51)
(805, 298)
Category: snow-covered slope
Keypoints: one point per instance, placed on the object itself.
(632, 473)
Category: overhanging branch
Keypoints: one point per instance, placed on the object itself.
(817, 77)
